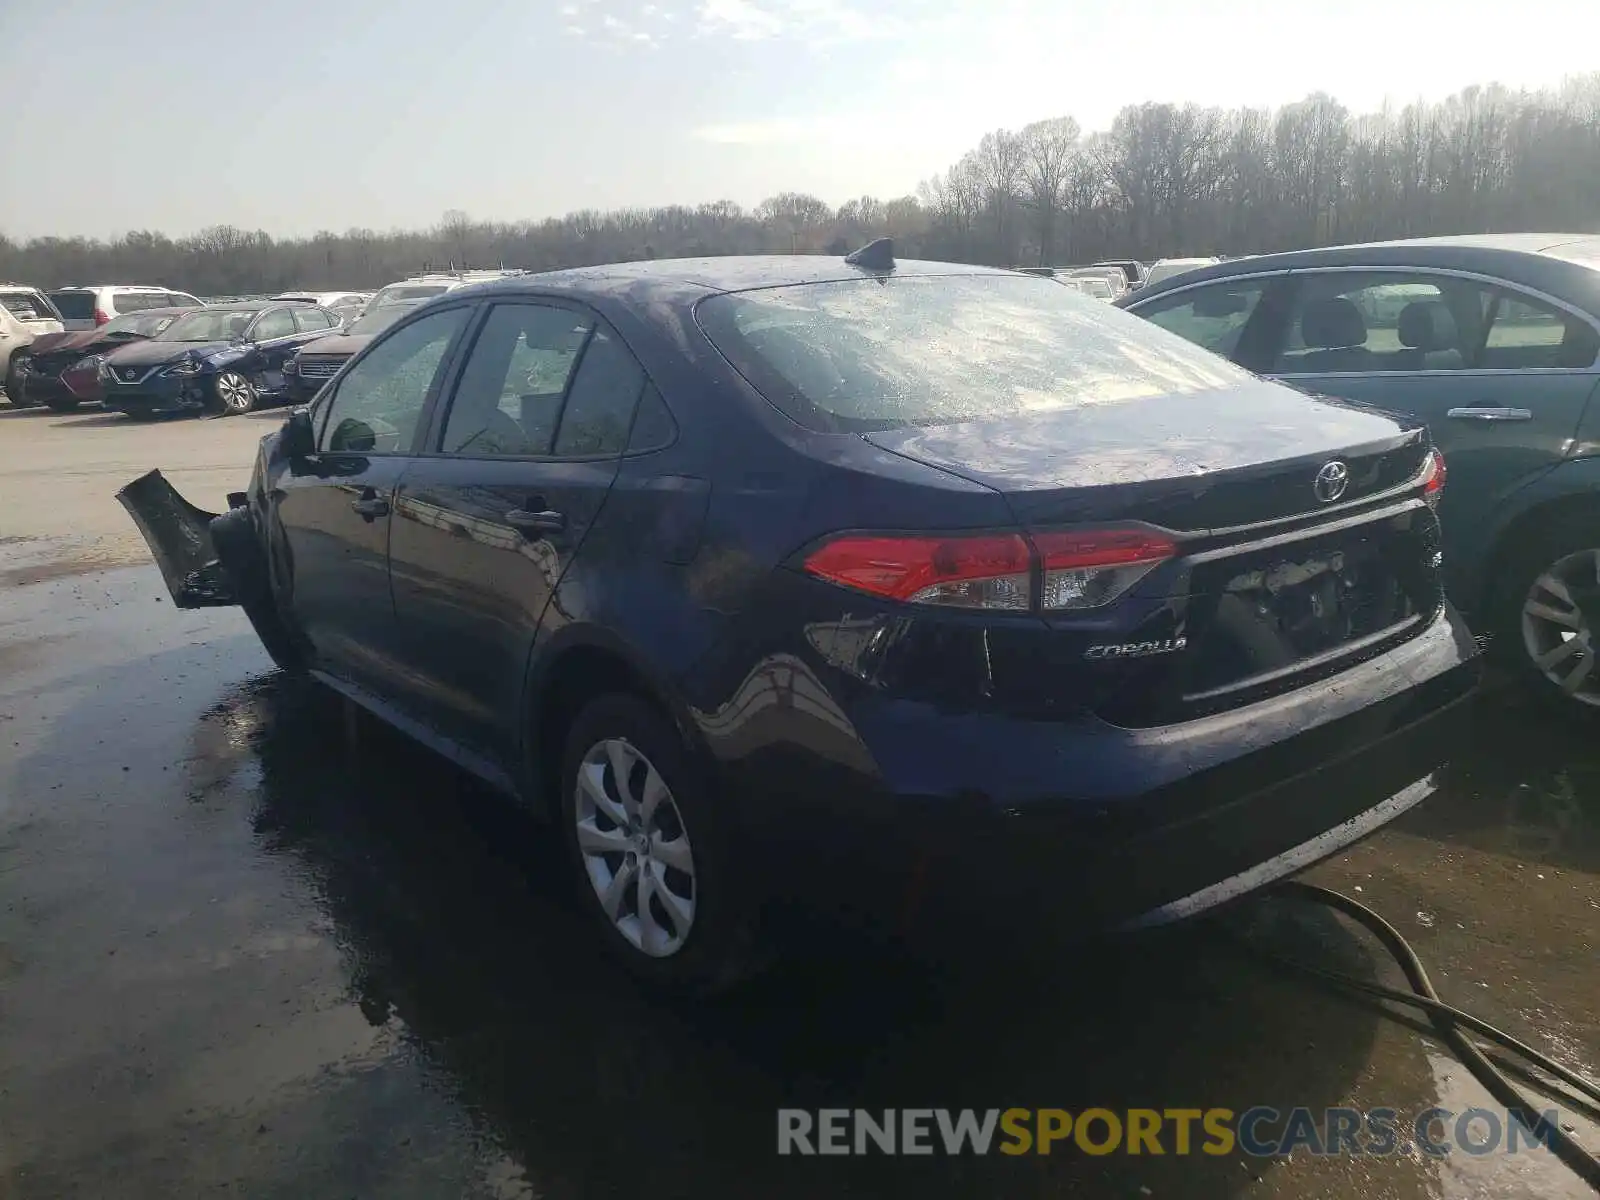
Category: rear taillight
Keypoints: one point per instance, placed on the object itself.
(991, 571)
(101, 317)
(1433, 477)
(1094, 567)
(1076, 569)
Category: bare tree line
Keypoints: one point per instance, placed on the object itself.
(1164, 179)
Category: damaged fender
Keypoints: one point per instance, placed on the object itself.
(179, 537)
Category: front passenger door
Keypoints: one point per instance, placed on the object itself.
(333, 511)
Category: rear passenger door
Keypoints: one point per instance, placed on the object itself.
(520, 463)
(1500, 378)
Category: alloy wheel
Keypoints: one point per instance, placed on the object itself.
(235, 392)
(1559, 616)
(635, 849)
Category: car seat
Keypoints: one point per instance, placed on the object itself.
(1427, 329)
(1335, 335)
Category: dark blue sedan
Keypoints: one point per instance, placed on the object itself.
(929, 593)
(222, 358)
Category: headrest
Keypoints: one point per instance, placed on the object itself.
(1333, 324)
(1427, 325)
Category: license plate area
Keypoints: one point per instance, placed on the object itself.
(1259, 615)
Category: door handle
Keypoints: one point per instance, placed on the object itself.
(370, 505)
(544, 521)
(1490, 414)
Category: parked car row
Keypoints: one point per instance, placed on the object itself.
(919, 593)
(75, 345)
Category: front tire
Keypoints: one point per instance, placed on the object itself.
(233, 394)
(1547, 614)
(652, 856)
(15, 392)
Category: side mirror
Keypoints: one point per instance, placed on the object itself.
(297, 439)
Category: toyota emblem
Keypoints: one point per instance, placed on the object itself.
(1331, 481)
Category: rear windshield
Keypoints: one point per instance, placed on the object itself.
(867, 354)
(74, 306)
(28, 306)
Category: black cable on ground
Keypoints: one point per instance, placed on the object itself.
(1448, 1022)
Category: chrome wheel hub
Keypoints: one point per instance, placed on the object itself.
(1558, 624)
(235, 392)
(635, 849)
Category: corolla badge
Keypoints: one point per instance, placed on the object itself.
(1135, 649)
(1331, 481)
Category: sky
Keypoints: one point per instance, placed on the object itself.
(299, 115)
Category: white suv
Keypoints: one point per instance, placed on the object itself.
(434, 283)
(25, 313)
(92, 305)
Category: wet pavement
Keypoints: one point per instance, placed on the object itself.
(254, 944)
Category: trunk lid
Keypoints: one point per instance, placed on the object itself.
(1192, 463)
(1276, 579)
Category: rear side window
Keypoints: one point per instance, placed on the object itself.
(127, 302)
(74, 306)
(180, 300)
(308, 319)
(875, 353)
(28, 306)
(599, 408)
(1527, 335)
(274, 323)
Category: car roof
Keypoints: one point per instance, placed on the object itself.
(694, 277)
(116, 287)
(1536, 259)
(162, 312)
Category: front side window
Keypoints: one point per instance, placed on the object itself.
(377, 404)
(276, 323)
(867, 354)
(1213, 317)
(509, 397)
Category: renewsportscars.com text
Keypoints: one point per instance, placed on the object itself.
(1261, 1131)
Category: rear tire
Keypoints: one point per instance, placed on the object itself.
(1546, 615)
(655, 835)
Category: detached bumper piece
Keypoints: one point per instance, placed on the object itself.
(179, 537)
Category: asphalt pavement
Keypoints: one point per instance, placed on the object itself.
(254, 944)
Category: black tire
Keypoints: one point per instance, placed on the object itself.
(718, 948)
(1540, 556)
(246, 567)
(15, 392)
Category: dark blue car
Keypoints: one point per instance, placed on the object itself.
(222, 358)
(929, 593)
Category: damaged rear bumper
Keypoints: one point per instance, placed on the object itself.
(182, 541)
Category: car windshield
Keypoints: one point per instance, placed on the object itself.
(209, 325)
(408, 291)
(377, 320)
(139, 324)
(877, 353)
